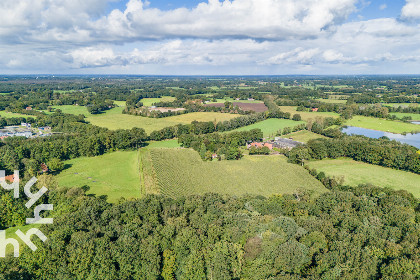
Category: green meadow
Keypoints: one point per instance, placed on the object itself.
(308, 115)
(270, 127)
(113, 174)
(414, 117)
(382, 124)
(114, 119)
(5, 114)
(149, 101)
(355, 173)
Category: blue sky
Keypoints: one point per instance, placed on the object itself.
(249, 37)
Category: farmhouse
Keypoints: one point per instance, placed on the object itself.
(281, 143)
(9, 178)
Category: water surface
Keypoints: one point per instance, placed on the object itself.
(411, 139)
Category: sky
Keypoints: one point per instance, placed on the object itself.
(193, 37)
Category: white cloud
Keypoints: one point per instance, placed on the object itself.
(383, 7)
(411, 9)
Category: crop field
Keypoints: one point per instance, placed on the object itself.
(177, 172)
(270, 127)
(149, 101)
(114, 119)
(5, 114)
(414, 117)
(114, 174)
(303, 136)
(308, 115)
(382, 124)
(356, 173)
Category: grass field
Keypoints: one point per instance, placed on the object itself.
(5, 114)
(414, 117)
(303, 136)
(308, 115)
(271, 126)
(149, 101)
(176, 172)
(234, 100)
(72, 109)
(401, 104)
(355, 173)
(114, 119)
(114, 174)
(382, 124)
(338, 101)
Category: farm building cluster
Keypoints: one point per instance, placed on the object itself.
(280, 143)
(24, 130)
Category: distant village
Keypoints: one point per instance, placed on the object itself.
(25, 130)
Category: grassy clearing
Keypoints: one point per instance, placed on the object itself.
(308, 115)
(414, 117)
(72, 109)
(114, 174)
(5, 114)
(270, 127)
(114, 119)
(4, 93)
(303, 136)
(333, 101)
(150, 101)
(401, 104)
(356, 173)
(177, 172)
(382, 124)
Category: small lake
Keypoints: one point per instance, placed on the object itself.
(411, 139)
(416, 122)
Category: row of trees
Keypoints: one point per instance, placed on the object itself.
(217, 143)
(374, 151)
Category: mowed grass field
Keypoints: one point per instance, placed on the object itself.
(114, 119)
(5, 114)
(72, 109)
(382, 124)
(271, 126)
(149, 101)
(114, 174)
(308, 115)
(303, 136)
(414, 117)
(234, 100)
(333, 101)
(356, 173)
(177, 172)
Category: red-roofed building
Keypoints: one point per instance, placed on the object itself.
(314, 109)
(10, 178)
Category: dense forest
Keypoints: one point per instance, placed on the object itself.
(348, 233)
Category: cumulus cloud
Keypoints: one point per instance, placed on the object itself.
(411, 10)
(260, 19)
(245, 35)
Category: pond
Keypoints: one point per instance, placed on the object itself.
(411, 139)
(416, 122)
